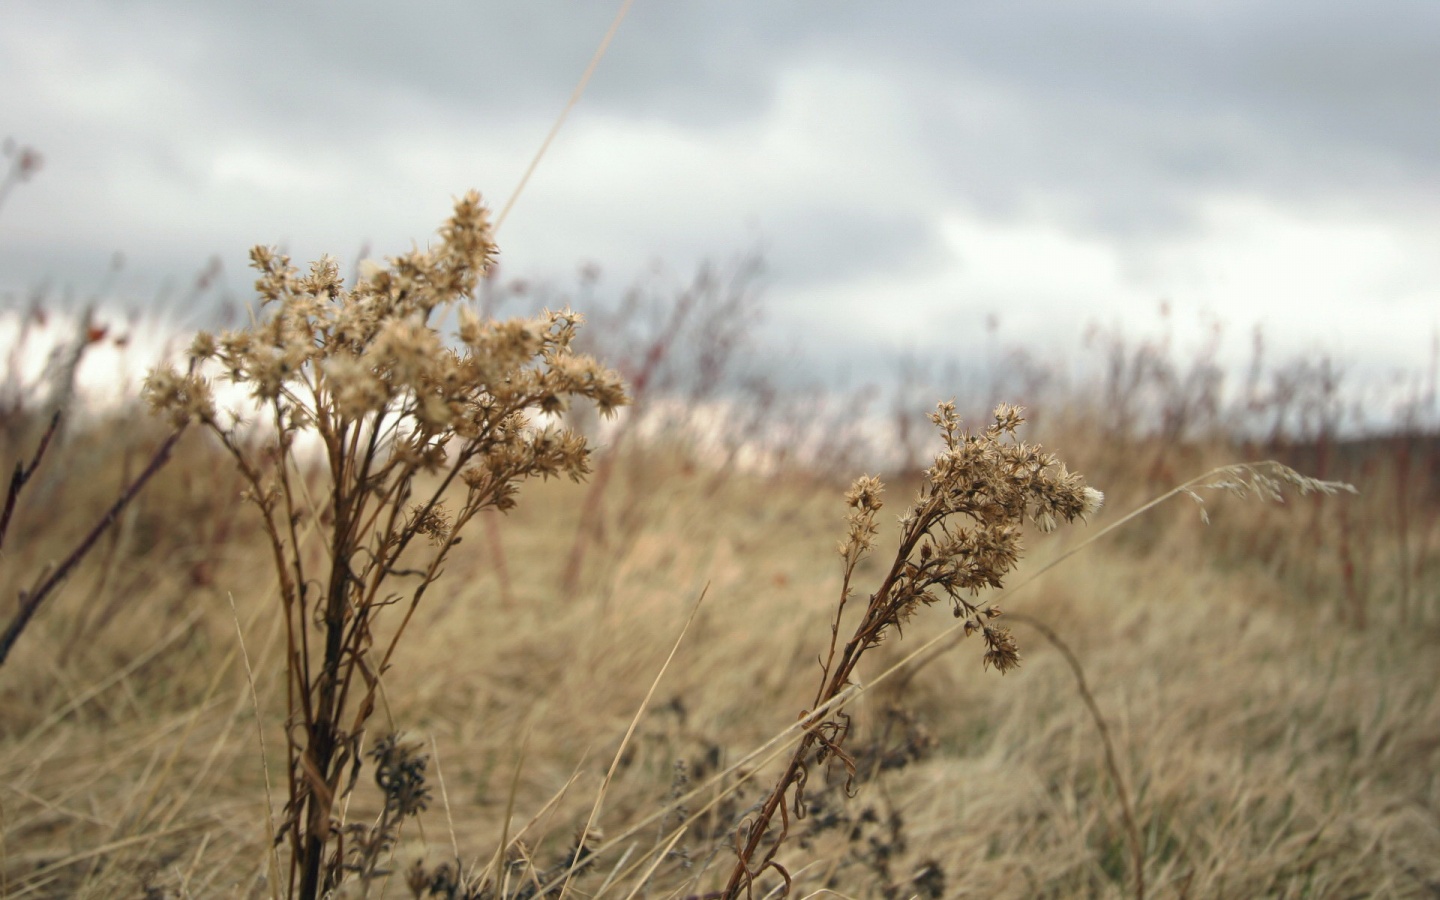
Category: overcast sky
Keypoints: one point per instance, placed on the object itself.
(906, 168)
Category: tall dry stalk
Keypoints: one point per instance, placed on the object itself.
(961, 536)
(418, 435)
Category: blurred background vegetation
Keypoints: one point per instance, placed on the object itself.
(1268, 679)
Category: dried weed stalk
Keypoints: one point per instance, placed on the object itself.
(402, 416)
(961, 536)
(54, 574)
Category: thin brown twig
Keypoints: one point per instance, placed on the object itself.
(23, 472)
(31, 600)
(495, 543)
(25, 164)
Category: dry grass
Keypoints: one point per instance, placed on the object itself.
(1269, 747)
(1241, 708)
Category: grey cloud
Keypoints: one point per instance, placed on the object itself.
(1118, 119)
(837, 244)
(1293, 95)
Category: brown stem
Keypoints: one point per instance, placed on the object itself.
(741, 876)
(322, 727)
(30, 601)
(23, 472)
(878, 615)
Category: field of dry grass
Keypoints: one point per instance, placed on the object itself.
(599, 688)
(1267, 683)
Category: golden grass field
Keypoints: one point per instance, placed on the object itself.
(600, 687)
(1268, 682)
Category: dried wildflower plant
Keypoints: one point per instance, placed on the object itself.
(962, 535)
(419, 434)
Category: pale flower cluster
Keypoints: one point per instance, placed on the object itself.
(332, 357)
(964, 532)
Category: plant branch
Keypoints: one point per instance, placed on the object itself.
(30, 601)
(23, 472)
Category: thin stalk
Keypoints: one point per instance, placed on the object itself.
(30, 601)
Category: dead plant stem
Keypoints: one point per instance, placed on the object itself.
(31, 600)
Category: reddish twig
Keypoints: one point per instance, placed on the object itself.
(30, 600)
(23, 472)
(592, 507)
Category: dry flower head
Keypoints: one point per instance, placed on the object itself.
(963, 534)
